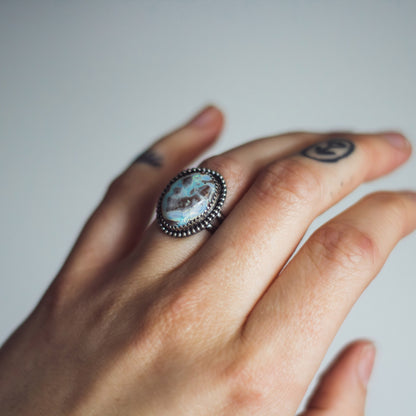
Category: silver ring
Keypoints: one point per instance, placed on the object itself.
(192, 202)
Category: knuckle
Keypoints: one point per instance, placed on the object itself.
(126, 184)
(248, 384)
(117, 185)
(227, 165)
(290, 180)
(178, 316)
(342, 245)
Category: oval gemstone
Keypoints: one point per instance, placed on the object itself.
(188, 198)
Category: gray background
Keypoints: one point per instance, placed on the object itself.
(85, 85)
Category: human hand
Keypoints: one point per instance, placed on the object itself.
(140, 323)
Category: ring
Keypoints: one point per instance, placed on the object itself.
(192, 202)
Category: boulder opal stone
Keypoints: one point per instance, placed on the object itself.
(188, 198)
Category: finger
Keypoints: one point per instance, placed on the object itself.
(342, 390)
(239, 167)
(262, 231)
(120, 219)
(311, 297)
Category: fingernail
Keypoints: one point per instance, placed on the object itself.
(396, 139)
(204, 118)
(366, 363)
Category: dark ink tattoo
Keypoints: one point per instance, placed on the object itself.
(330, 150)
(149, 157)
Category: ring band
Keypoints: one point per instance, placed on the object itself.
(192, 202)
(216, 223)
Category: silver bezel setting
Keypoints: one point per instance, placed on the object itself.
(203, 221)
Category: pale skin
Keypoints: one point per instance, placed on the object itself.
(140, 323)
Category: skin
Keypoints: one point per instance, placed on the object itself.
(140, 323)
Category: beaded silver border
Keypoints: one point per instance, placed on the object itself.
(206, 220)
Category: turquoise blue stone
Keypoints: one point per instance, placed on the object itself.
(188, 198)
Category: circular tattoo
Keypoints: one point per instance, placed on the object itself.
(329, 151)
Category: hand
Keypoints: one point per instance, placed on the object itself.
(140, 323)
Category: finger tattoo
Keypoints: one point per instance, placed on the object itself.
(150, 157)
(330, 150)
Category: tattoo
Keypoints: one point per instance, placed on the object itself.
(149, 157)
(330, 150)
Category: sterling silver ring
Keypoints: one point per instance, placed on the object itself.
(192, 202)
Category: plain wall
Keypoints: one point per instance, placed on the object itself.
(86, 85)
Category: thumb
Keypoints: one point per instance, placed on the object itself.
(342, 389)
